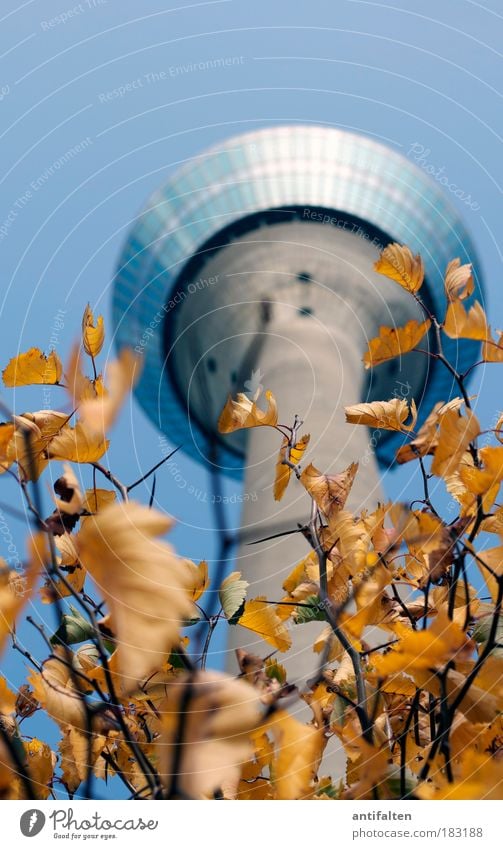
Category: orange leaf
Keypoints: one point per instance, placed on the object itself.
(394, 341)
(33, 367)
(244, 413)
(283, 471)
(399, 264)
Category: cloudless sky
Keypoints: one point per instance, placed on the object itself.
(404, 73)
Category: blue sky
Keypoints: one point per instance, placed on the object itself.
(119, 85)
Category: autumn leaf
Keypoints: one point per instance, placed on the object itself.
(79, 387)
(458, 281)
(386, 415)
(418, 651)
(7, 698)
(232, 593)
(399, 264)
(330, 492)
(141, 579)
(212, 716)
(260, 617)
(41, 428)
(79, 444)
(199, 579)
(6, 434)
(74, 754)
(93, 334)
(54, 689)
(455, 434)
(244, 413)
(462, 324)
(33, 367)
(98, 414)
(426, 440)
(395, 341)
(480, 479)
(492, 350)
(41, 762)
(73, 501)
(476, 776)
(369, 598)
(16, 588)
(298, 752)
(294, 455)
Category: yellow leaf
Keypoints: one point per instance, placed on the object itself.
(78, 444)
(244, 413)
(93, 335)
(98, 414)
(79, 387)
(218, 715)
(369, 603)
(33, 367)
(283, 471)
(480, 480)
(394, 341)
(398, 263)
(386, 415)
(298, 752)
(260, 617)
(42, 427)
(74, 753)
(426, 440)
(144, 583)
(455, 434)
(199, 579)
(476, 776)
(7, 698)
(6, 434)
(492, 351)
(40, 761)
(330, 492)
(424, 650)
(458, 281)
(460, 324)
(54, 689)
(16, 589)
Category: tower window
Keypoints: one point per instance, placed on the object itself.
(305, 311)
(212, 365)
(304, 277)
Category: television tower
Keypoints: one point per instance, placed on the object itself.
(253, 265)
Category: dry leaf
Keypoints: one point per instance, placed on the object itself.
(454, 436)
(244, 413)
(33, 367)
(93, 335)
(261, 618)
(458, 281)
(386, 415)
(329, 491)
(283, 471)
(394, 341)
(398, 263)
(144, 583)
(212, 715)
(98, 414)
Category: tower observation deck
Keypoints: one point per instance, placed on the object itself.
(254, 264)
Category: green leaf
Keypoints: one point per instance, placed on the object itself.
(232, 594)
(311, 610)
(73, 628)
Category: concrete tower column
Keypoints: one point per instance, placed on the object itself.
(316, 384)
